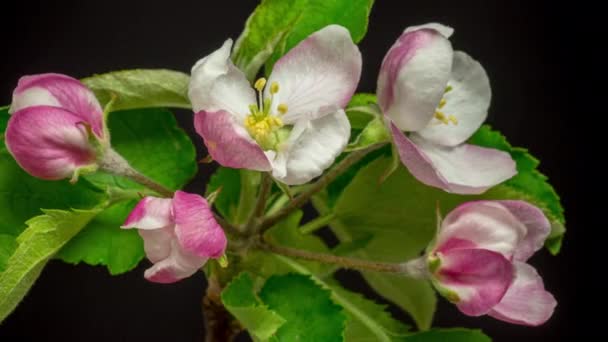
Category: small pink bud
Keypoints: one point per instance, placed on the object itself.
(179, 234)
(54, 120)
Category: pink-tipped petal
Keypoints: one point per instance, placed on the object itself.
(217, 84)
(526, 302)
(479, 278)
(228, 142)
(59, 91)
(464, 169)
(311, 148)
(150, 213)
(468, 102)
(157, 242)
(445, 31)
(48, 142)
(413, 77)
(317, 76)
(178, 265)
(537, 227)
(195, 226)
(485, 224)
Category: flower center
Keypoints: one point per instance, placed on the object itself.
(266, 128)
(442, 117)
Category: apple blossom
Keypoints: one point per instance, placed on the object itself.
(478, 261)
(54, 120)
(441, 96)
(180, 235)
(297, 126)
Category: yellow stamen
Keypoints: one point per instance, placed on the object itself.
(441, 117)
(453, 119)
(274, 88)
(442, 103)
(260, 83)
(282, 108)
(448, 89)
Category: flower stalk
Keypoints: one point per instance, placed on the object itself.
(114, 163)
(415, 268)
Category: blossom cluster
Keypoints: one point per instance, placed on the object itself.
(293, 126)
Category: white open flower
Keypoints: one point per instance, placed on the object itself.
(441, 98)
(292, 124)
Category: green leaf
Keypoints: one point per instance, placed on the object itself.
(8, 244)
(358, 310)
(154, 144)
(529, 182)
(384, 213)
(451, 335)
(240, 300)
(4, 116)
(309, 312)
(229, 180)
(361, 309)
(141, 88)
(22, 196)
(44, 236)
(103, 242)
(278, 25)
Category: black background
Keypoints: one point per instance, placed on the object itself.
(534, 53)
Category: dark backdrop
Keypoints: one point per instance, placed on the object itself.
(530, 49)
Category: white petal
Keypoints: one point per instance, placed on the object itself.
(445, 31)
(413, 78)
(468, 169)
(311, 148)
(157, 242)
(217, 84)
(526, 302)
(468, 102)
(178, 265)
(150, 213)
(484, 225)
(317, 76)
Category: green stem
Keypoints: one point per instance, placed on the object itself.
(319, 185)
(317, 223)
(115, 164)
(414, 269)
(260, 205)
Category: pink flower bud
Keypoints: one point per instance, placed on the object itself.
(49, 132)
(180, 235)
(479, 261)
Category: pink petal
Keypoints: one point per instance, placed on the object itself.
(484, 224)
(480, 278)
(413, 77)
(48, 142)
(318, 76)
(216, 84)
(468, 102)
(228, 142)
(150, 213)
(464, 169)
(59, 91)
(178, 265)
(195, 227)
(311, 148)
(526, 302)
(537, 227)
